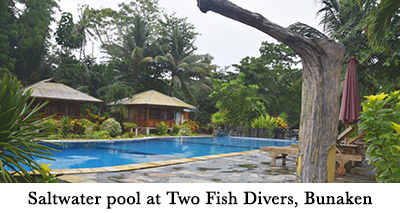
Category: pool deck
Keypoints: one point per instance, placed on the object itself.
(244, 167)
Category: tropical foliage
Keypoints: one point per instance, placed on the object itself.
(67, 34)
(112, 127)
(19, 133)
(279, 82)
(45, 176)
(162, 128)
(264, 121)
(381, 119)
(381, 19)
(355, 24)
(177, 128)
(24, 35)
(219, 118)
(129, 127)
(184, 131)
(193, 125)
(237, 101)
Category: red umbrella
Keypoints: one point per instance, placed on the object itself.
(351, 104)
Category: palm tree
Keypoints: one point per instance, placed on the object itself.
(190, 69)
(330, 15)
(91, 76)
(138, 62)
(114, 89)
(113, 92)
(83, 28)
(130, 55)
(381, 20)
(184, 66)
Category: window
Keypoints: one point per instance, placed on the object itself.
(130, 114)
(49, 109)
(159, 114)
(143, 113)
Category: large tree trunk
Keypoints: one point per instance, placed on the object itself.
(322, 60)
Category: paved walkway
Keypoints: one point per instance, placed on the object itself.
(246, 168)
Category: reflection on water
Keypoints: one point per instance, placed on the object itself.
(68, 162)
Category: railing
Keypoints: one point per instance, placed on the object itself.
(152, 123)
(59, 116)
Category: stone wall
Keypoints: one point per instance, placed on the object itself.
(276, 133)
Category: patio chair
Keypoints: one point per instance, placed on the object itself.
(350, 152)
(346, 152)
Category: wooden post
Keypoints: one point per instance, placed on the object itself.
(148, 120)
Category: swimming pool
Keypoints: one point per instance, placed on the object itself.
(77, 155)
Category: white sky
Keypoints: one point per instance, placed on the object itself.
(226, 40)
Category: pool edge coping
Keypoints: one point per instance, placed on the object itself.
(119, 140)
(131, 167)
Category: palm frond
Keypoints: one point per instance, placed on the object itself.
(380, 21)
(329, 12)
(20, 130)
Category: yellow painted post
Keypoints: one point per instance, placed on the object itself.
(298, 165)
(331, 164)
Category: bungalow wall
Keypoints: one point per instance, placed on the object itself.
(60, 108)
(151, 116)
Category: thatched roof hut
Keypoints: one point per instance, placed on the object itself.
(154, 98)
(63, 100)
(148, 109)
(51, 89)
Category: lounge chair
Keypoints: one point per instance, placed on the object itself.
(346, 151)
(349, 152)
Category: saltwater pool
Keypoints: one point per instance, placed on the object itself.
(76, 155)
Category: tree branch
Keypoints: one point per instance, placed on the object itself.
(295, 41)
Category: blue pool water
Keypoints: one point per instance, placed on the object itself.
(75, 155)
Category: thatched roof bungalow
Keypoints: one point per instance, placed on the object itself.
(63, 100)
(147, 109)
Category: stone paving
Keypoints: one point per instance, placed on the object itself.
(247, 168)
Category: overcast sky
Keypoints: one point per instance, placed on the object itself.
(226, 40)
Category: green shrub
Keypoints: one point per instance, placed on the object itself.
(162, 128)
(264, 121)
(219, 118)
(52, 126)
(128, 135)
(175, 129)
(65, 126)
(193, 125)
(184, 131)
(77, 127)
(268, 122)
(207, 128)
(103, 134)
(89, 126)
(45, 176)
(129, 127)
(112, 127)
(381, 119)
(20, 130)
